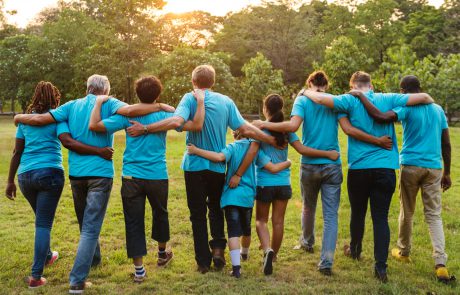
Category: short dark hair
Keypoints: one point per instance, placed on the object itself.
(148, 89)
(318, 78)
(410, 84)
(359, 79)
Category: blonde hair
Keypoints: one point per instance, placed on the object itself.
(360, 79)
(204, 76)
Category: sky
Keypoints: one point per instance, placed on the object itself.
(27, 9)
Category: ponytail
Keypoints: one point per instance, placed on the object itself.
(274, 106)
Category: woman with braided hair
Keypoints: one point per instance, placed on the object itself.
(37, 154)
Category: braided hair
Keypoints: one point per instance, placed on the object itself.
(273, 104)
(46, 97)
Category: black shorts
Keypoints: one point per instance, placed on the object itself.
(268, 194)
(238, 221)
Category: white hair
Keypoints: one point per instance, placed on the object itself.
(98, 84)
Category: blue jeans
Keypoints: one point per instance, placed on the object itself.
(42, 188)
(328, 179)
(90, 197)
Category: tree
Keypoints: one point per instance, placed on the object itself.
(260, 79)
(341, 60)
(175, 70)
(446, 85)
(451, 11)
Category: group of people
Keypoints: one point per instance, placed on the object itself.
(223, 181)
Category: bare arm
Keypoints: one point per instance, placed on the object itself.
(198, 120)
(275, 168)
(83, 149)
(419, 98)
(14, 164)
(446, 182)
(384, 142)
(320, 98)
(142, 109)
(250, 131)
(314, 153)
(95, 121)
(137, 129)
(373, 111)
(247, 160)
(211, 156)
(34, 119)
(283, 127)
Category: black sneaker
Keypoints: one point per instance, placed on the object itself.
(381, 276)
(236, 271)
(202, 269)
(268, 262)
(79, 289)
(326, 271)
(244, 257)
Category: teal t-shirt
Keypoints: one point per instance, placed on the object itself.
(268, 153)
(77, 114)
(42, 147)
(144, 156)
(319, 129)
(362, 155)
(243, 195)
(422, 125)
(221, 113)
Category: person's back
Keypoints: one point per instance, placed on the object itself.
(77, 113)
(423, 125)
(221, 113)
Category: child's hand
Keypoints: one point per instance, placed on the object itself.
(333, 155)
(199, 94)
(234, 181)
(289, 162)
(191, 149)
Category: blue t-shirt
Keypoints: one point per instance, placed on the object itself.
(268, 153)
(319, 130)
(243, 195)
(77, 114)
(423, 125)
(144, 156)
(42, 147)
(221, 113)
(362, 155)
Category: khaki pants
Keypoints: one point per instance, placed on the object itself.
(429, 181)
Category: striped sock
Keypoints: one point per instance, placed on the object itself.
(139, 271)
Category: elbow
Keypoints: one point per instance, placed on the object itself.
(348, 131)
(292, 128)
(177, 123)
(198, 128)
(92, 127)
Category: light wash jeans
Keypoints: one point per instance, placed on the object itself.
(328, 179)
(91, 197)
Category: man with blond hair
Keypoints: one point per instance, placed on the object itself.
(204, 179)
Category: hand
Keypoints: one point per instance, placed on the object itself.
(258, 123)
(11, 191)
(356, 93)
(289, 162)
(102, 98)
(136, 129)
(385, 142)
(191, 149)
(301, 92)
(167, 108)
(446, 182)
(334, 155)
(106, 153)
(199, 94)
(234, 181)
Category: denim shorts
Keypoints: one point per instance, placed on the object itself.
(268, 194)
(238, 221)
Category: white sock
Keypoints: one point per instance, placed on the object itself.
(235, 257)
(244, 250)
(139, 271)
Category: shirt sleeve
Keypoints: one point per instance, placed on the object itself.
(444, 124)
(62, 113)
(183, 110)
(298, 107)
(115, 105)
(61, 128)
(401, 112)
(228, 151)
(19, 133)
(115, 123)
(293, 137)
(262, 159)
(341, 115)
(343, 103)
(235, 120)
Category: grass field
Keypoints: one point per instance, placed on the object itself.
(295, 271)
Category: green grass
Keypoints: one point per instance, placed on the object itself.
(295, 272)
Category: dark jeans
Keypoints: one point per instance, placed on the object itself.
(238, 221)
(133, 194)
(204, 190)
(42, 188)
(378, 186)
(90, 197)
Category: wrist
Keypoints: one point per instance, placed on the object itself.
(145, 129)
(236, 174)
